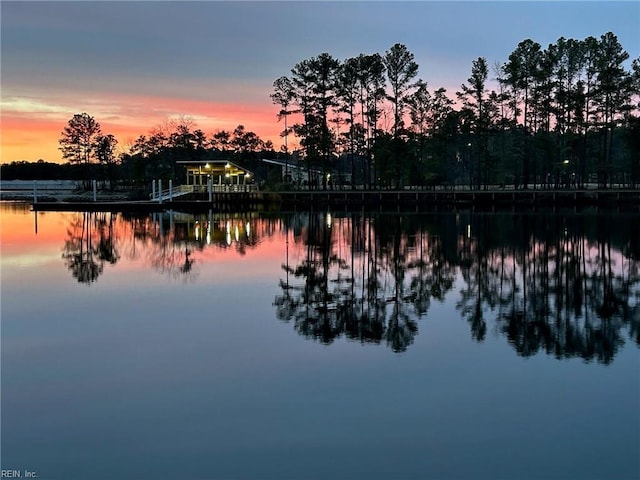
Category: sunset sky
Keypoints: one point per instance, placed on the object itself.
(134, 65)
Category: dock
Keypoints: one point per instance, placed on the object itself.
(370, 200)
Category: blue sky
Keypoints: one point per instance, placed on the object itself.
(133, 64)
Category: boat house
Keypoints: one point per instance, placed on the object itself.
(224, 175)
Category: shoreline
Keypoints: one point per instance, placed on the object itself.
(380, 200)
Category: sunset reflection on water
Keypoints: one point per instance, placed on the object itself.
(213, 336)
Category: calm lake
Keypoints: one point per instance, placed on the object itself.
(319, 345)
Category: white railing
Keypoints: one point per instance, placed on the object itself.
(217, 188)
(171, 193)
(180, 190)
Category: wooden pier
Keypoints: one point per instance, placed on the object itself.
(373, 200)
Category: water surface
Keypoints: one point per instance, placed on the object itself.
(318, 345)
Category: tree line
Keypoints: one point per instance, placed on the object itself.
(91, 154)
(569, 112)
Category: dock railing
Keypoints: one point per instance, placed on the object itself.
(181, 190)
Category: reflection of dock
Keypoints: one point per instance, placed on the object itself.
(114, 206)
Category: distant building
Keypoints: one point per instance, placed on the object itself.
(295, 172)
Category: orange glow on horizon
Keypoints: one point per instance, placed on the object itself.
(32, 125)
(33, 135)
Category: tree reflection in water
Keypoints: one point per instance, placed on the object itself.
(568, 286)
(165, 241)
(361, 277)
(90, 244)
(565, 285)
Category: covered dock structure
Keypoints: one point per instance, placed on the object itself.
(224, 175)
